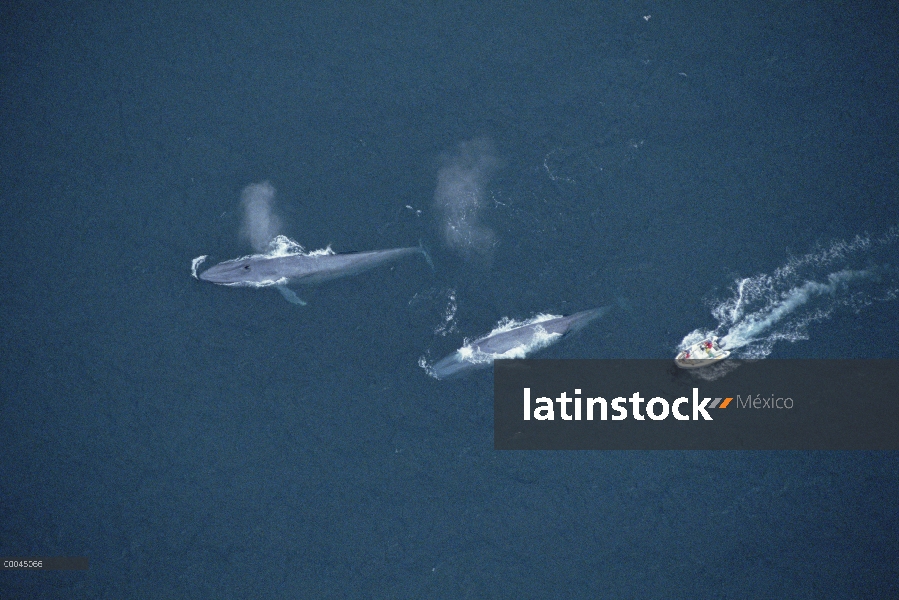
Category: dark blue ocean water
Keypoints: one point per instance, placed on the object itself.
(198, 441)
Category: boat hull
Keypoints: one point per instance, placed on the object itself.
(701, 354)
(698, 363)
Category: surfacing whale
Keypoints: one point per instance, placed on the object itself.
(288, 264)
(516, 341)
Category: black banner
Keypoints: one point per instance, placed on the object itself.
(731, 405)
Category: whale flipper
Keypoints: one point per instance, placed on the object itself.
(290, 295)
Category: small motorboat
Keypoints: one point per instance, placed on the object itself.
(701, 354)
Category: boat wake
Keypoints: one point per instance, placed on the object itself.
(769, 308)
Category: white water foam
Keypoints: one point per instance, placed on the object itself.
(539, 340)
(448, 325)
(769, 308)
(281, 245)
(195, 264)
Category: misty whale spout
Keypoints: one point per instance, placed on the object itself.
(513, 340)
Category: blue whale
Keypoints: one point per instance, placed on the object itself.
(515, 342)
(282, 269)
